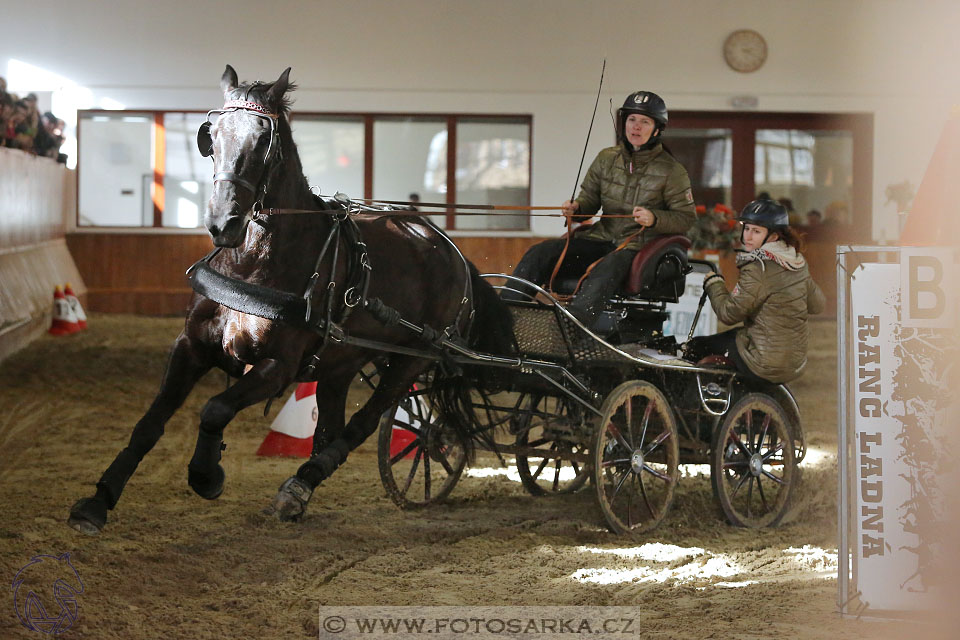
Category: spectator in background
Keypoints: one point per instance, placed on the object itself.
(814, 218)
(48, 138)
(15, 135)
(6, 112)
(413, 198)
(22, 126)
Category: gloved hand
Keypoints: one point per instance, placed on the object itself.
(710, 276)
(569, 209)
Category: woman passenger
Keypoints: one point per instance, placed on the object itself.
(773, 298)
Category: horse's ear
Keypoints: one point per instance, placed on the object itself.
(228, 81)
(280, 87)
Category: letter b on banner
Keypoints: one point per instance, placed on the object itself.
(926, 284)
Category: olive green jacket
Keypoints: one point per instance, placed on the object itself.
(773, 298)
(618, 181)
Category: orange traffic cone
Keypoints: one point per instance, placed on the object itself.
(64, 319)
(75, 305)
(291, 434)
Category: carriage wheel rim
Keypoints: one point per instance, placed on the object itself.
(756, 463)
(533, 479)
(636, 458)
(404, 474)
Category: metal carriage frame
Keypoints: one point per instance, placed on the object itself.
(624, 417)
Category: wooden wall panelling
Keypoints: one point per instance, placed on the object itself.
(144, 274)
(137, 273)
(34, 258)
(495, 255)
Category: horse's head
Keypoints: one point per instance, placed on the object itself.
(245, 144)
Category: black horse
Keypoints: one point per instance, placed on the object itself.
(412, 270)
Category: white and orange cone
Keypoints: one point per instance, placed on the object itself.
(64, 319)
(75, 305)
(291, 434)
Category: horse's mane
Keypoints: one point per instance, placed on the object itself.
(258, 91)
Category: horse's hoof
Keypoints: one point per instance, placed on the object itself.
(291, 500)
(88, 516)
(205, 486)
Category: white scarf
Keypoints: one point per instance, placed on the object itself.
(778, 251)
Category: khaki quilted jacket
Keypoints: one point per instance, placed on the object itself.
(619, 180)
(773, 298)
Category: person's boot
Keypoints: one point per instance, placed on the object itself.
(589, 302)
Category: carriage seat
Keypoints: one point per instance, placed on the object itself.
(657, 273)
(659, 269)
(719, 361)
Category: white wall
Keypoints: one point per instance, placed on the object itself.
(894, 58)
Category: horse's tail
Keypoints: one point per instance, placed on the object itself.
(492, 327)
(460, 392)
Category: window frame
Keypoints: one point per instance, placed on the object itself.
(744, 126)
(367, 118)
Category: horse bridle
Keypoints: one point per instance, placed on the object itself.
(205, 145)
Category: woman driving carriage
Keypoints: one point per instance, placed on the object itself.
(643, 192)
(773, 298)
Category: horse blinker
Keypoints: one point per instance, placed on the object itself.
(204, 140)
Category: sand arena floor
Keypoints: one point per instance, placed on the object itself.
(170, 564)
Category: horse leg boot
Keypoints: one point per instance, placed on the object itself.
(291, 500)
(184, 369)
(204, 473)
(395, 381)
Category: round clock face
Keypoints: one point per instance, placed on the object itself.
(745, 50)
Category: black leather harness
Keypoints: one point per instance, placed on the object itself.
(325, 316)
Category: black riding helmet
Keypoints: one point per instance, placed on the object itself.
(765, 213)
(646, 103)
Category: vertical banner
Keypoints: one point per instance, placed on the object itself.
(903, 385)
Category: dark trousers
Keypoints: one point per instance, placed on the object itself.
(604, 280)
(719, 344)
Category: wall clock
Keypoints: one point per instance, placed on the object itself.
(745, 50)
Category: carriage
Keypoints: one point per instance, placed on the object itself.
(615, 406)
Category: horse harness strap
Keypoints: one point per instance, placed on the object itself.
(301, 311)
(290, 308)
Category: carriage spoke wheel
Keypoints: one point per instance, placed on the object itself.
(420, 461)
(753, 469)
(558, 431)
(636, 456)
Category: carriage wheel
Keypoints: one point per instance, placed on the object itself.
(753, 469)
(561, 429)
(420, 460)
(636, 456)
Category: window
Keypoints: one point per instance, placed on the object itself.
(410, 156)
(817, 162)
(187, 179)
(493, 167)
(115, 183)
(807, 170)
(331, 151)
(143, 169)
(706, 154)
